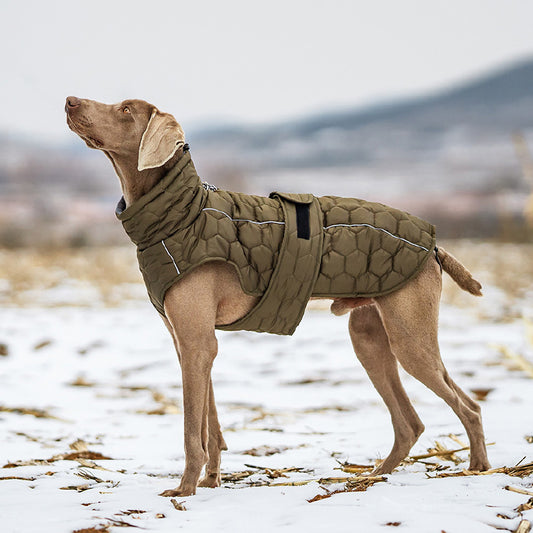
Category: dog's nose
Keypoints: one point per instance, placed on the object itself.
(72, 103)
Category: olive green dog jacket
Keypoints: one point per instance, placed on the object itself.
(285, 248)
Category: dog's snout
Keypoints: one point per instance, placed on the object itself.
(72, 103)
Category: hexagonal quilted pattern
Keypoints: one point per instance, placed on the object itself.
(356, 248)
(383, 247)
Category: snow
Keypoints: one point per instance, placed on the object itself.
(300, 402)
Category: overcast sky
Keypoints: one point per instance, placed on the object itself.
(243, 60)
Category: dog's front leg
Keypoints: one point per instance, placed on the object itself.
(197, 345)
(216, 445)
(196, 371)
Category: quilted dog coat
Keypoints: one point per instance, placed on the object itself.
(285, 248)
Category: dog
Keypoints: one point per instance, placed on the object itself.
(144, 145)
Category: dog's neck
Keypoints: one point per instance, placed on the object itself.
(136, 183)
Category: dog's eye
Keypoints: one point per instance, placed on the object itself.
(126, 109)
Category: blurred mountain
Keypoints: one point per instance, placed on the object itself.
(55, 195)
(449, 156)
(481, 111)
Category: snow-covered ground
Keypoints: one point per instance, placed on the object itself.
(90, 411)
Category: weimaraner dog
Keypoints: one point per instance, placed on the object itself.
(142, 144)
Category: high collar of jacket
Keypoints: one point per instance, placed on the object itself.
(172, 204)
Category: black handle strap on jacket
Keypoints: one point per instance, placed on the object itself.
(302, 221)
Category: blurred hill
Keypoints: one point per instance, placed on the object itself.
(54, 195)
(449, 157)
(493, 106)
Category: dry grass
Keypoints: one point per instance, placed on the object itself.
(22, 272)
(179, 506)
(361, 478)
(506, 266)
(515, 361)
(112, 271)
(521, 470)
(37, 413)
(80, 453)
(524, 527)
(102, 528)
(258, 476)
(353, 484)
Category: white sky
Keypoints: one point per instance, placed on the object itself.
(243, 60)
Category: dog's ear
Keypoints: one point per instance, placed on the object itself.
(160, 141)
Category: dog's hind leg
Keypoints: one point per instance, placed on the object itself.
(215, 445)
(410, 316)
(372, 348)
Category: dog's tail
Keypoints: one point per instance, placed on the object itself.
(459, 273)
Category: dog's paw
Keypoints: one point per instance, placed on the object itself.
(481, 465)
(179, 492)
(210, 481)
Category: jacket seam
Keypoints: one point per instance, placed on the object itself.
(170, 255)
(377, 229)
(361, 225)
(244, 219)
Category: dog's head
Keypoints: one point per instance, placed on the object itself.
(133, 129)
